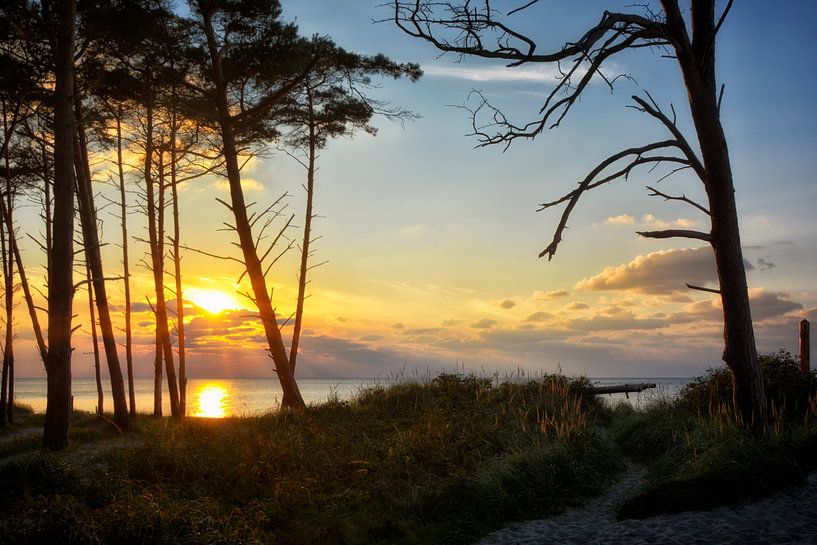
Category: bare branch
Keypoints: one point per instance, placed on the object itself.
(683, 198)
(700, 288)
(677, 233)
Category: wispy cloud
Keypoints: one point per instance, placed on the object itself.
(542, 73)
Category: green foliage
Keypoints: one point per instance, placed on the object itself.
(441, 462)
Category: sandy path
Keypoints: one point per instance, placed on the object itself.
(789, 517)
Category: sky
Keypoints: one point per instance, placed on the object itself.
(432, 242)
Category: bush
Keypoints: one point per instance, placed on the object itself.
(791, 393)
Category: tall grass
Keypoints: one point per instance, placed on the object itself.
(697, 457)
(440, 462)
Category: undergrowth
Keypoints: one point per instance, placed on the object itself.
(440, 462)
(698, 458)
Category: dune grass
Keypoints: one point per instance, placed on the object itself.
(698, 458)
(440, 462)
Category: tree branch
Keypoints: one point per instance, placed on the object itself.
(676, 233)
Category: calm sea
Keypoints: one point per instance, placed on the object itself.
(249, 396)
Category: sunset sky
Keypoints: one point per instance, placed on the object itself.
(432, 244)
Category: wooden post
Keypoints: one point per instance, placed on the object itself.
(805, 347)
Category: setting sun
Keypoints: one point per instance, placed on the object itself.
(211, 401)
(213, 301)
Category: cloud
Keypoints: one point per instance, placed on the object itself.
(656, 273)
(618, 321)
(765, 305)
(451, 322)
(651, 222)
(504, 303)
(621, 219)
(764, 265)
(398, 325)
(140, 307)
(550, 294)
(247, 184)
(577, 306)
(540, 316)
(485, 323)
(532, 74)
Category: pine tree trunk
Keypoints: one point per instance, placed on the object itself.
(291, 395)
(125, 264)
(100, 397)
(8, 287)
(155, 235)
(60, 273)
(177, 271)
(305, 242)
(90, 235)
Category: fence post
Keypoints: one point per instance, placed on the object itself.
(805, 347)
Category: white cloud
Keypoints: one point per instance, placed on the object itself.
(621, 219)
(539, 73)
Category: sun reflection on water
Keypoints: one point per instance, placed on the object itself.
(211, 401)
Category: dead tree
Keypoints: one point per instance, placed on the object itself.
(478, 29)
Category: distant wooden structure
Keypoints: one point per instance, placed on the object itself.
(621, 388)
(805, 347)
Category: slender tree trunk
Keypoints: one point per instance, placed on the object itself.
(32, 310)
(90, 235)
(7, 346)
(125, 263)
(155, 235)
(6, 389)
(697, 62)
(100, 398)
(177, 267)
(60, 273)
(291, 395)
(310, 194)
(8, 353)
(48, 219)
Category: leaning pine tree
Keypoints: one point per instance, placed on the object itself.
(251, 63)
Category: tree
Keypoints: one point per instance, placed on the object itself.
(330, 103)
(249, 63)
(472, 28)
(60, 273)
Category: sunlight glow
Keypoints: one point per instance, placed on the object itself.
(213, 301)
(211, 401)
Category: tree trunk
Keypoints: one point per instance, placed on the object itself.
(100, 397)
(60, 273)
(740, 354)
(125, 263)
(8, 284)
(6, 390)
(291, 395)
(90, 236)
(177, 273)
(310, 193)
(155, 235)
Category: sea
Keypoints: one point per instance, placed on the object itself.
(254, 396)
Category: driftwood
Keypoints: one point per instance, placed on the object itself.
(621, 388)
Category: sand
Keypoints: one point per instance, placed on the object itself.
(789, 517)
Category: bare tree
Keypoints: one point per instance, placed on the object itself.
(478, 29)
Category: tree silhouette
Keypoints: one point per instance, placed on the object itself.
(477, 28)
(249, 64)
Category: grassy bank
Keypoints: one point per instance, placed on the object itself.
(698, 458)
(439, 462)
(413, 463)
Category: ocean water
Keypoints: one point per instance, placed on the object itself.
(251, 396)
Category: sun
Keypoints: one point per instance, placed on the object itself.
(211, 401)
(213, 301)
